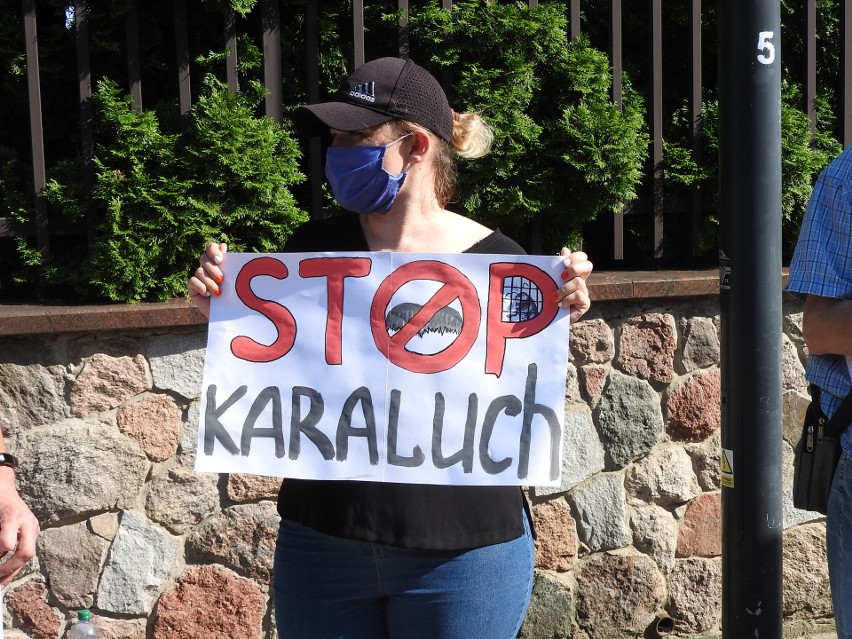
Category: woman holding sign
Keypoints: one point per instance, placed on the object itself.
(368, 560)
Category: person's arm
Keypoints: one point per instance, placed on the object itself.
(19, 528)
(827, 325)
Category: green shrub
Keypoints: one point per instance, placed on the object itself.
(803, 156)
(161, 196)
(563, 153)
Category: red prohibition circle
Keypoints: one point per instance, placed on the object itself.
(455, 286)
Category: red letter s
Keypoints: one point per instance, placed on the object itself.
(245, 347)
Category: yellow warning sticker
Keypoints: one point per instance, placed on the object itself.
(727, 467)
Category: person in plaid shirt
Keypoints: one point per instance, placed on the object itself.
(821, 272)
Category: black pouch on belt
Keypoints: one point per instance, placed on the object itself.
(818, 453)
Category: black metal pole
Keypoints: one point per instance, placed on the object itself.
(750, 305)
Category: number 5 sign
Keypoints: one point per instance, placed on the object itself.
(766, 47)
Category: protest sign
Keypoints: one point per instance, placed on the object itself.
(391, 367)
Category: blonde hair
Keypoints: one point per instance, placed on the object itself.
(472, 138)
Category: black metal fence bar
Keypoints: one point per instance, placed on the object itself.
(810, 63)
(404, 46)
(358, 31)
(272, 60)
(182, 59)
(617, 55)
(273, 78)
(846, 72)
(312, 71)
(84, 89)
(696, 86)
(231, 46)
(574, 19)
(36, 129)
(657, 123)
(134, 73)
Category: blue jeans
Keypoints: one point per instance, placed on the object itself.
(334, 588)
(838, 532)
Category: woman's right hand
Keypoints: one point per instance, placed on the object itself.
(207, 277)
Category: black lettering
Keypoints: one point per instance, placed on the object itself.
(394, 458)
(465, 453)
(530, 410)
(276, 431)
(512, 406)
(213, 429)
(308, 424)
(345, 430)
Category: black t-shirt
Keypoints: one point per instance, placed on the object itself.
(407, 515)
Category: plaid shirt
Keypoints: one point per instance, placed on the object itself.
(822, 265)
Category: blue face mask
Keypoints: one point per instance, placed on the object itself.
(359, 180)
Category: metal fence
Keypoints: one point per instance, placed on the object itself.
(651, 202)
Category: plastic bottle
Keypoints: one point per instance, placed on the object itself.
(84, 628)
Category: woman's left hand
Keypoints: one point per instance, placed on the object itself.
(574, 294)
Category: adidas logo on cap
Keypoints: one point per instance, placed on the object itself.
(365, 91)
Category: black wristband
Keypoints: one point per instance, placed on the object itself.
(8, 460)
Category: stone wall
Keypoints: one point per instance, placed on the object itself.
(104, 423)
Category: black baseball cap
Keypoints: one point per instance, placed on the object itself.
(379, 91)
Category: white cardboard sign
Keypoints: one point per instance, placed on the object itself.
(389, 367)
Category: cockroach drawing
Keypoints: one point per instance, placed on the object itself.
(447, 320)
